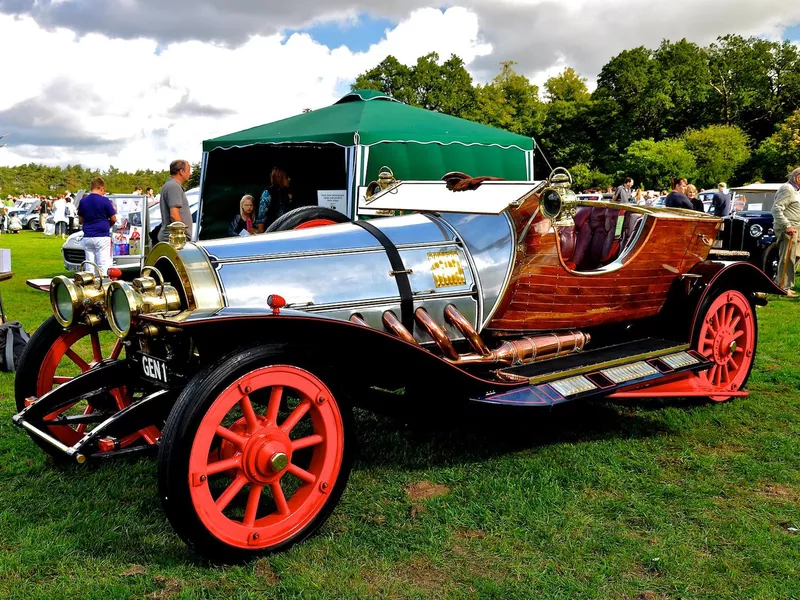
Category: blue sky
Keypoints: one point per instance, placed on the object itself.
(358, 36)
(792, 33)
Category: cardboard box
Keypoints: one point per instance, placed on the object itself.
(5, 260)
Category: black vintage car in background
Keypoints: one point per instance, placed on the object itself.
(748, 233)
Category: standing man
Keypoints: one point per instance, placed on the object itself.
(174, 205)
(623, 193)
(44, 206)
(97, 215)
(786, 212)
(721, 201)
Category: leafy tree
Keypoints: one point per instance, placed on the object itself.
(510, 102)
(718, 150)
(655, 163)
(194, 178)
(446, 88)
(780, 153)
(566, 132)
(586, 178)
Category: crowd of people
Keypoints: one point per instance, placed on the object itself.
(682, 195)
(61, 207)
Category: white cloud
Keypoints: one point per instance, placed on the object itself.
(153, 107)
(78, 92)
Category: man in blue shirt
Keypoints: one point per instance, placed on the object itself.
(97, 215)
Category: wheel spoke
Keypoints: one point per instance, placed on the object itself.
(735, 321)
(223, 465)
(279, 498)
(233, 438)
(729, 314)
(116, 350)
(297, 414)
(710, 373)
(230, 492)
(734, 364)
(251, 510)
(737, 335)
(718, 376)
(84, 366)
(57, 380)
(97, 351)
(249, 414)
(274, 404)
(725, 377)
(306, 442)
(301, 473)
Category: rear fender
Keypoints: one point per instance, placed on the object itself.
(679, 316)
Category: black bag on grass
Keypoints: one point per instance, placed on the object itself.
(13, 339)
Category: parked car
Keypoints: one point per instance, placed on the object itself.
(747, 233)
(244, 355)
(28, 213)
(73, 253)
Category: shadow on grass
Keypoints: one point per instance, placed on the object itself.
(422, 436)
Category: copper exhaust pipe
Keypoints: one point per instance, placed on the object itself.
(358, 320)
(438, 334)
(394, 325)
(454, 316)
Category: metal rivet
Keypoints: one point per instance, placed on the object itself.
(321, 399)
(255, 536)
(323, 486)
(202, 477)
(247, 389)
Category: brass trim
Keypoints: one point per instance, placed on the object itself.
(446, 269)
(605, 364)
(196, 274)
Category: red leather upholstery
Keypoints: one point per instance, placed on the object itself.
(595, 229)
(630, 227)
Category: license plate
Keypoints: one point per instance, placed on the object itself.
(72, 267)
(155, 368)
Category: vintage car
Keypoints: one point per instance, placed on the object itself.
(748, 235)
(238, 360)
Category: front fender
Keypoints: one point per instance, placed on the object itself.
(361, 355)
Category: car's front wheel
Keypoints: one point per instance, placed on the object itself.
(254, 457)
(304, 217)
(33, 224)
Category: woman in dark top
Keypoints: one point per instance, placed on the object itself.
(676, 198)
(244, 220)
(697, 204)
(275, 201)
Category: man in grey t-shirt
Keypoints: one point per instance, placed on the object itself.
(174, 205)
(623, 193)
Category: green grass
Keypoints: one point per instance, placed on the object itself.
(634, 499)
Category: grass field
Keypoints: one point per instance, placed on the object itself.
(627, 500)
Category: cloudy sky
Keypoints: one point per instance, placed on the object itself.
(137, 83)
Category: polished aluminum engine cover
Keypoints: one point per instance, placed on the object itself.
(340, 270)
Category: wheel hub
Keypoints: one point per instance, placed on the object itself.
(266, 455)
(724, 345)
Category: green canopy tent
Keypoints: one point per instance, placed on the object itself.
(329, 153)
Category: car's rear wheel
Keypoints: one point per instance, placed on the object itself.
(33, 224)
(254, 456)
(727, 335)
(304, 217)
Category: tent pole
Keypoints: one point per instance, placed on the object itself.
(203, 166)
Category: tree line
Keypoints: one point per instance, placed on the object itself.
(726, 112)
(40, 179)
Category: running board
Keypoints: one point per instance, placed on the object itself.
(605, 378)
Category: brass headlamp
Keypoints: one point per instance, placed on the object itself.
(82, 296)
(145, 295)
(557, 201)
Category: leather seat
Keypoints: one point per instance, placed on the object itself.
(631, 224)
(595, 229)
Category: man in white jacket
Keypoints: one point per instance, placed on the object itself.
(786, 212)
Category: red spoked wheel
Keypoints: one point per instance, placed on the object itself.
(54, 356)
(255, 466)
(727, 336)
(315, 223)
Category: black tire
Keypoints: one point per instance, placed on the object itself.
(176, 446)
(769, 263)
(304, 214)
(31, 361)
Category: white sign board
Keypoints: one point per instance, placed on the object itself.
(754, 206)
(127, 232)
(335, 199)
